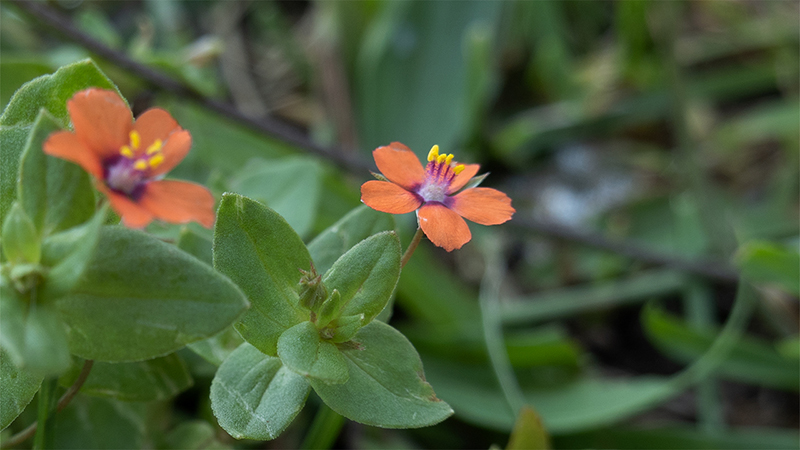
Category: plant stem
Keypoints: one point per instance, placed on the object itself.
(493, 331)
(47, 402)
(411, 247)
(23, 435)
(324, 430)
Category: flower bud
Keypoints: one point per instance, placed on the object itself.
(312, 291)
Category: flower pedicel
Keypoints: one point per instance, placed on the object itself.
(129, 159)
(433, 192)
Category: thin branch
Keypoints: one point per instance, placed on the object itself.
(273, 127)
(25, 434)
(709, 269)
(351, 163)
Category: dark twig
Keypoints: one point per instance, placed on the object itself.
(708, 269)
(270, 126)
(25, 434)
(355, 165)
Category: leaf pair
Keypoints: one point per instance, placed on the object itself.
(374, 378)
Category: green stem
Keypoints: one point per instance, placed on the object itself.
(25, 434)
(47, 405)
(324, 430)
(493, 331)
(411, 247)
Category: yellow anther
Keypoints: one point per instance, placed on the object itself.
(441, 158)
(458, 169)
(140, 164)
(154, 147)
(135, 139)
(434, 153)
(156, 161)
(126, 152)
(449, 159)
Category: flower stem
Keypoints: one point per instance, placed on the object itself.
(411, 247)
(23, 435)
(324, 430)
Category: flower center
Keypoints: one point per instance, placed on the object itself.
(129, 171)
(439, 173)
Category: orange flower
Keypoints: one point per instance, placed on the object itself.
(430, 191)
(128, 159)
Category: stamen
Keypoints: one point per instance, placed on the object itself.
(154, 147)
(441, 158)
(126, 152)
(434, 153)
(458, 169)
(140, 164)
(449, 159)
(135, 139)
(156, 161)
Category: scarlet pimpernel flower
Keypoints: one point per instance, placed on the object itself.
(129, 159)
(436, 192)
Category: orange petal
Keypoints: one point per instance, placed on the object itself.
(443, 227)
(461, 179)
(66, 145)
(101, 120)
(175, 149)
(388, 197)
(133, 215)
(179, 202)
(399, 165)
(155, 123)
(485, 206)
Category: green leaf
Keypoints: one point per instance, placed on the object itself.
(143, 381)
(577, 405)
(55, 193)
(751, 360)
(528, 432)
(682, 436)
(217, 348)
(387, 387)
(100, 423)
(196, 244)
(359, 224)
(254, 396)
(33, 336)
(68, 253)
(50, 92)
(303, 351)
(765, 262)
(261, 253)
(19, 387)
(395, 55)
(290, 186)
(20, 240)
(193, 435)
(140, 298)
(366, 275)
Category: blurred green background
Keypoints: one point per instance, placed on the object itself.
(650, 149)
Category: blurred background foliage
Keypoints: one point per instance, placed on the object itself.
(645, 145)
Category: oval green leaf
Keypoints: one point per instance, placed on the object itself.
(261, 253)
(254, 396)
(19, 387)
(55, 193)
(366, 275)
(50, 92)
(387, 387)
(140, 298)
(34, 337)
(303, 351)
(359, 224)
(143, 381)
